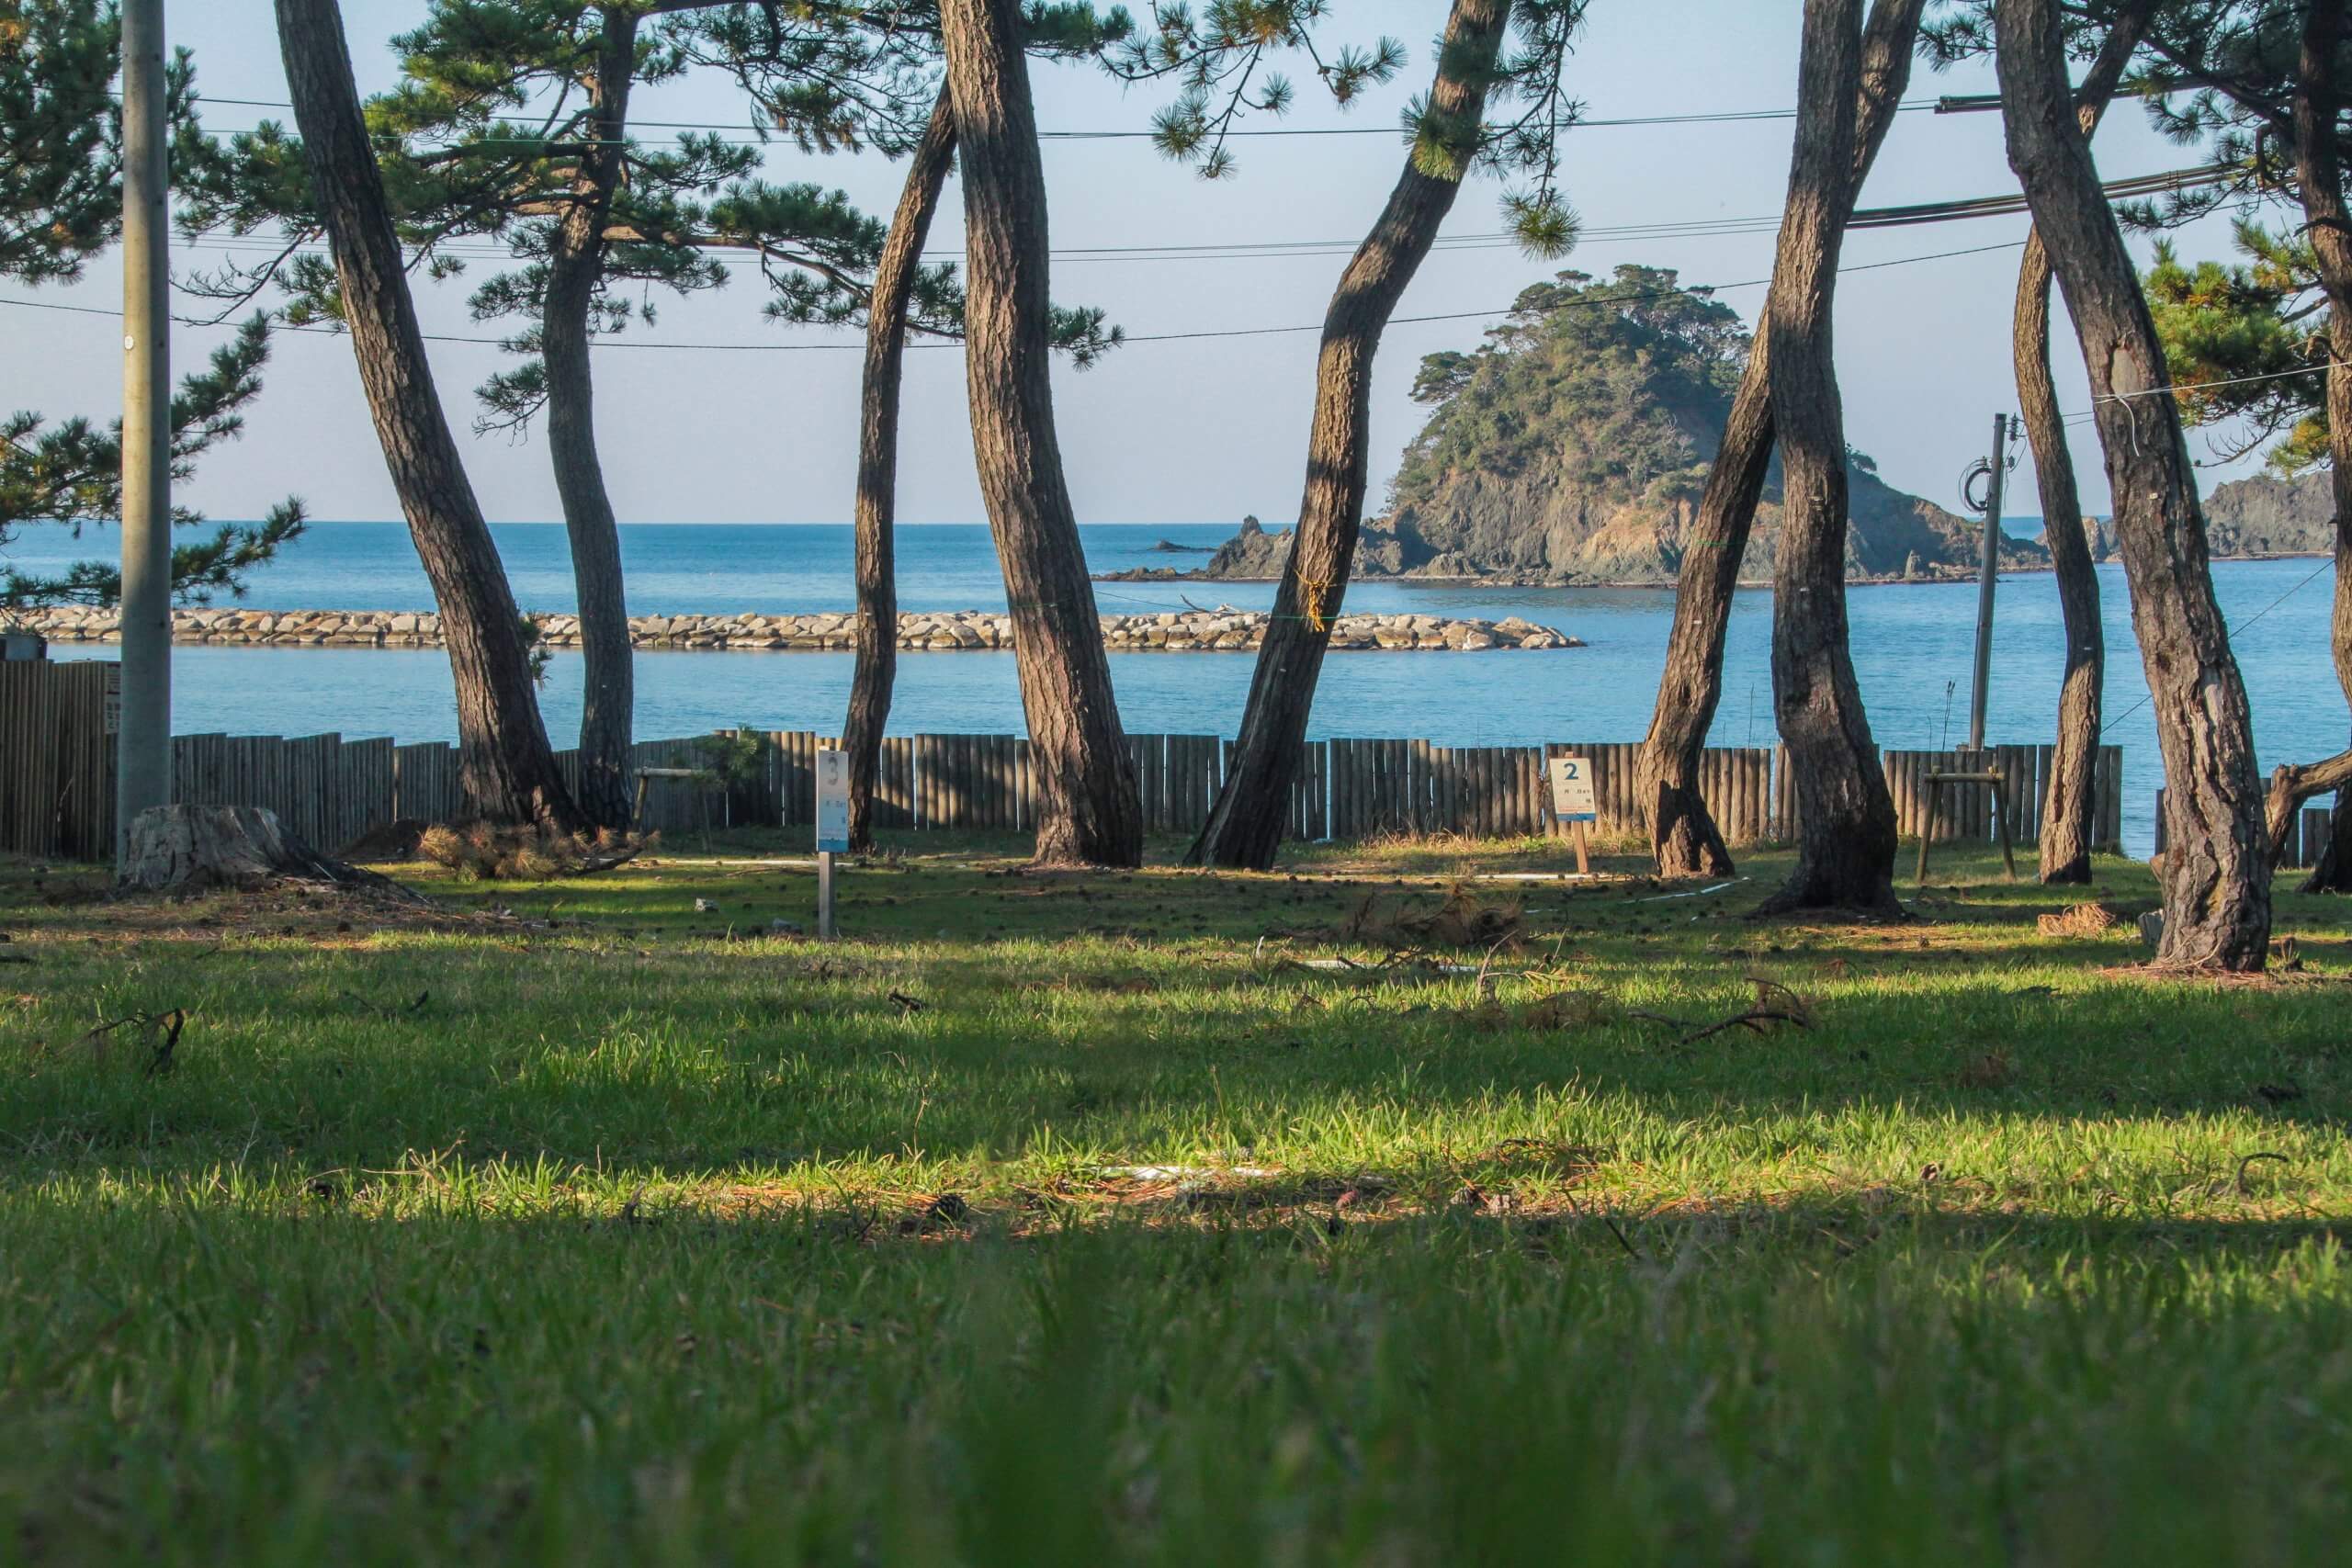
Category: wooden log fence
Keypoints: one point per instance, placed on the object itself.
(57, 758)
(57, 781)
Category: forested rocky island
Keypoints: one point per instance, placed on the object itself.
(1572, 446)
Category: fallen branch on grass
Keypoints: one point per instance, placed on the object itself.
(2243, 1190)
(379, 1008)
(1755, 1019)
(1775, 1003)
(163, 1035)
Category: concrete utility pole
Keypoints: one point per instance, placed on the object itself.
(143, 744)
(1988, 573)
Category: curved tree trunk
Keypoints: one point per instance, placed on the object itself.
(504, 762)
(1683, 836)
(877, 467)
(575, 267)
(1088, 811)
(2069, 815)
(1244, 825)
(2217, 886)
(1845, 817)
(2318, 176)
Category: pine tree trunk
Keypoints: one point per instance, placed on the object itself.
(2318, 176)
(575, 267)
(2217, 890)
(1088, 809)
(504, 763)
(1244, 825)
(1845, 817)
(1684, 839)
(877, 467)
(2069, 817)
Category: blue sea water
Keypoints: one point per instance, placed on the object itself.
(1912, 650)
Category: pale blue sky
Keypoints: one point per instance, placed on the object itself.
(1165, 432)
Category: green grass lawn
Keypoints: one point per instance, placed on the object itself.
(1102, 1218)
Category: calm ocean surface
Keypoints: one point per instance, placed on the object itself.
(1912, 648)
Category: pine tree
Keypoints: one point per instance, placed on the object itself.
(2267, 88)
(770, 57)
(1684, 839)
(1452, 134)
(60, 203)
(1845, 831)
(1088, 809)
(590, 213)
(2217, 892)
(2069, 804)
(505, 767)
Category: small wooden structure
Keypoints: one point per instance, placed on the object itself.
(2001, 795)
(645, 777)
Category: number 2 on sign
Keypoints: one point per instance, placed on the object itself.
(1573, 804)
(1572, 799)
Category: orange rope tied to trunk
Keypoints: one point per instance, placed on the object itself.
(1311, 590)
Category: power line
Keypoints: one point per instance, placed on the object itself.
(1719, 116)
(2317, 573)
(1271, 250)
(1141, 337)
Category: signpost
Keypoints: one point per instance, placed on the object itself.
(1573, 803)
(833, 833)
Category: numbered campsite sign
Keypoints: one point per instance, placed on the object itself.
(1573, 803)
(833, 831)
(1572, 790)
(832, 803)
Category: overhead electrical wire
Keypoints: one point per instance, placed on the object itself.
(627, 343)
(1717, 116)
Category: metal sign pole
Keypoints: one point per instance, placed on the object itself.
(833, 833)
(1988, 573)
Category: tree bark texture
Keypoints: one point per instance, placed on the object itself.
(1684, 839)
(2319, 177)
(504, 765)
(1245, 824)
(2069, 819)
(1088, 809)
(1846, 831)
(2217, 889)
(575, 267)
(877, 467)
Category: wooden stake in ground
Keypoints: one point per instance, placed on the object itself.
(2068, 822)
(2217, 886)
(878, 468)
(1684, 839)
(504, 764)
(1088, 811)
(1846, 828)
(1244, 825)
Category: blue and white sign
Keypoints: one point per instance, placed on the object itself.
(832, 803)
(1572, 799)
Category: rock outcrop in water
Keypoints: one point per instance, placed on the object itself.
(2269, 516)
(1574, 447)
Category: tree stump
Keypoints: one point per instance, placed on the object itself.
(177, 849)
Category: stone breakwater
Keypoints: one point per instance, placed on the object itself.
(1223, 630)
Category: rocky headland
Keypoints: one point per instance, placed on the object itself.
(1574, 447)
